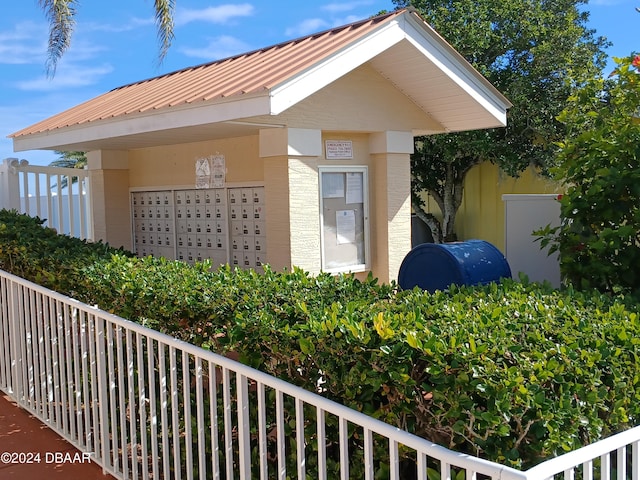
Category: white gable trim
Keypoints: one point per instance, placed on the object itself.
(405, 27)
(308, 82)
(456, 68)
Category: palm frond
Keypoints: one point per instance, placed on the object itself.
(68, 160)
(164, 23)
(61, 17)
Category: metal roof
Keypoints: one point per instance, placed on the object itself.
(252, 80)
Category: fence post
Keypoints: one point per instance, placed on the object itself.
(15, 334)
(9, 184)
(103, 394)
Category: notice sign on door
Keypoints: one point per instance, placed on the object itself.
(345, 227)
(338, 149)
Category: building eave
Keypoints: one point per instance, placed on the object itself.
(196, 104)
(151, 128)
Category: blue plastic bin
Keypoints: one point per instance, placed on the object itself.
(432, 266)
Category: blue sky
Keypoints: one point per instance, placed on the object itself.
(115, 43)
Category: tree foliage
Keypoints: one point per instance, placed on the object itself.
(61, 16)
(528, 50)
(70, 160)
(599, 237)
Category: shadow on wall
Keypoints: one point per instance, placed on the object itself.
(420, 232)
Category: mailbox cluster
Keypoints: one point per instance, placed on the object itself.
(225, 225)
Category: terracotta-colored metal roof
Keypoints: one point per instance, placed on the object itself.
(246, 74)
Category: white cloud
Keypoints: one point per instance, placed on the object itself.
(23, 111)
(25, 44)
(220, 14)
(314, 25)
(220, 47)
(22, 31)
(307, 27)
(81, 50)
(346, 6)
(346, 20)
(67, 76)
(132, 24)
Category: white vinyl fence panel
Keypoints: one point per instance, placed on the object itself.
(525, 213)
(60, 196)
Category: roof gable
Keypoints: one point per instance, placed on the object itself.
(362, 100)
(400, 46)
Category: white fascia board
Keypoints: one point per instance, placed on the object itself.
(153, 121)
(306, 83)
(449, 61)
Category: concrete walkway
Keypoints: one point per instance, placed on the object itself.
(24, 439)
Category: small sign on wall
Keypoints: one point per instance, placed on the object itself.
(218, 171)
(203, 173)
(338, 149)
(210, 171)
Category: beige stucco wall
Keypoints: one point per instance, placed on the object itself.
(362, 101)
(304, 213)
(276, 192)
(392, 218)
(174, 165)
(293, 196)
(361, 107)
(291, 190)
(109, 175)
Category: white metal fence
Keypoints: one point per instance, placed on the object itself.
(146, 405)
(58, 195)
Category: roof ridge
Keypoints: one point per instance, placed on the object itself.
(358, 23)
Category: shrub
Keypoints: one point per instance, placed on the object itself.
(599, 238)
(39, 254)
(517, 373)
(512, 372)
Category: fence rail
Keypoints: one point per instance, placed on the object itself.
(146, 405)
(58, 195)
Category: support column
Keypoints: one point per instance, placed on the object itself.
(390, 153)
(291, 197)
(9, 184)
(111, 208)
(276, 198)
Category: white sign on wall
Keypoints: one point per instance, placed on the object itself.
(338, 149)
(210, 171)
(218, 171)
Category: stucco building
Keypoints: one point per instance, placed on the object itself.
(292, 155)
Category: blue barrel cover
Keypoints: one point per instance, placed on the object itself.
(433, 266)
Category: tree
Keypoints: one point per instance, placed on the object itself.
(599, 236)
(69, 160)
(61, 16)
(528, 49)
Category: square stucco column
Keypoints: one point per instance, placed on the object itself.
(290, 159)
(390, 152)
(109, 173)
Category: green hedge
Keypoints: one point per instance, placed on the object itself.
(513, 372)
(32, 251)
